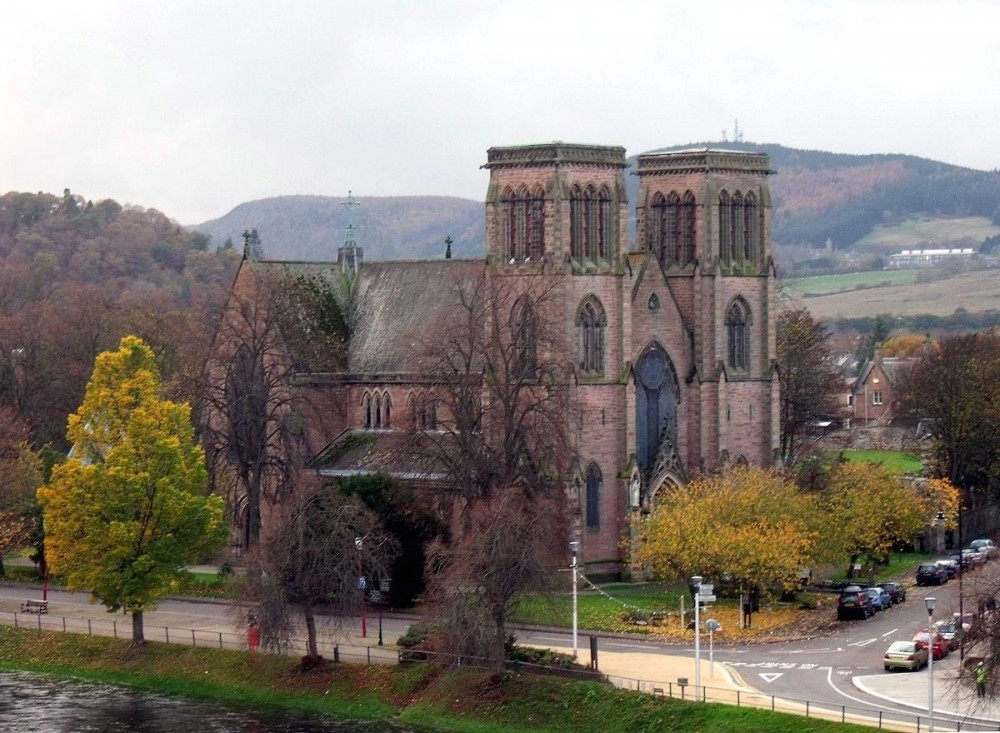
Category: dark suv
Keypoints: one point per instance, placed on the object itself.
(896, 591)
(931, 574)
(854, 602)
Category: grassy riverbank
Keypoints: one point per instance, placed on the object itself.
(421, 695)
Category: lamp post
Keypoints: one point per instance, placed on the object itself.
(696, 584)
(961, 609)
(574, 547)
(930, 601)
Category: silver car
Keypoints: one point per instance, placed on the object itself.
(905, 655)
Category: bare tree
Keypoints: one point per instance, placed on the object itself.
(276, 325)
(809, 382)
(313, 560)
(513, 545)
(497, 425)
(501, 412)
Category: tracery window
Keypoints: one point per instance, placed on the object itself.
(522, 223)
(366, 405)
(687, 229)
(656, 399)
(725, 228)
(593, 508)
(751, 228)
(378, 412)
(591, 323)
(386, 411)
(590, 223)
(666, 227)
(424, 408)
(524, 334)
(738, 332)
(736, 224)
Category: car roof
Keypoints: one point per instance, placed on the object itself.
(902, 644)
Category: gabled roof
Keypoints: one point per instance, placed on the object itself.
(399, 306)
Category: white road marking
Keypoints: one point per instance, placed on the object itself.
(770, 676)
(866, 642)
(889, 633)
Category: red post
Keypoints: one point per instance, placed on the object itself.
(253, 638)
(364, 623)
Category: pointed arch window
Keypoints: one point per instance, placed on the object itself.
(687, 229)
(736, 231)
(656, 398)
(524, 335)
(535, 227)
(424, 408)
(666, 227)
(603, 228)
(386, 411)
(725, 227)
(591, 323)
(576, 217)
(378, 412)
(366, 405)
(751, 230)
(593, 508)
(738, 333)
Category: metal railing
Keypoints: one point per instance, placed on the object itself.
(338, 651)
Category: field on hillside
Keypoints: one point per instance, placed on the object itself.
(805, 287)
(919, 232)
(974, 291)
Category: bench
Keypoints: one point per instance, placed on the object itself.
(38, 607)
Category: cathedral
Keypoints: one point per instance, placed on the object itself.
(670, 338)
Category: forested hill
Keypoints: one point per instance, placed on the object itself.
(817, 196)
(77, 275)
(312, 228)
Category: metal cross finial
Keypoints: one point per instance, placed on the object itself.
(351, 204)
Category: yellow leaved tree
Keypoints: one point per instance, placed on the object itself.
(129, 508)
(748, 524)
(868, 510)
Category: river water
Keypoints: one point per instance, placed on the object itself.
(33, 703)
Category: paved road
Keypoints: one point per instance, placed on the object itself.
(843, 669)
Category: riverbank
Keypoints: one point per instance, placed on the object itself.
(419, 695)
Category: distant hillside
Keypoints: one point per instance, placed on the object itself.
(312, 228)
(817, 196)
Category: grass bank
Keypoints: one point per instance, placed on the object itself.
(443, 700)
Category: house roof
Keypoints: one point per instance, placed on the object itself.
(894, 367)
(378, 451)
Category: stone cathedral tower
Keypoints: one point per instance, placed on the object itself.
(672, 339)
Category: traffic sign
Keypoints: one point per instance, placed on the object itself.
(706, 599)
(706, 589)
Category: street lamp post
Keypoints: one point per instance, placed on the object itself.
(696, 584)
(930, 601)
(574, 547)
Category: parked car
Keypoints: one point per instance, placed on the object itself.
(931, 573)
(951, 632)
(961, 558)
(896, 591)
(940, 646)
(905, 655)
(976, 558)
(950, 567)
(881, 599)
(853, 603)
(986, 547)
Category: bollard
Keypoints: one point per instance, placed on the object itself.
(336, 654)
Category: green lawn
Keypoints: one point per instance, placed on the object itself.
(896, 462)
(601, 611)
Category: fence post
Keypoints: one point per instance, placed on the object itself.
(772, 703)
(39, 620)
(737, 698)
(220, 640)
(194, 642)
(166, 632)
(807, 710)
(114, 627)
(64, 624)
(369, 655)
(843, 714)
(90, 631)
(336, 653)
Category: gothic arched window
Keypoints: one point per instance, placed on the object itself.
(725, 228)
(386, 411)
(656, 398)
(751, 231)
(524, 332)
(591, 322)
(576, 229)
(378, 412)
(366, 404)
(687, 229)
(593, 508)
(535, 229)
(603, 228)
(736, 227)
(738, 333)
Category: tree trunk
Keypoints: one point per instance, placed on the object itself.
(137, 634)
(312, 649)
(499, 654)
(853, 562)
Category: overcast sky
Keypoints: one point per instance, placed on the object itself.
(195, 106)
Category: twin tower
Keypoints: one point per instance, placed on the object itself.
(672, 338)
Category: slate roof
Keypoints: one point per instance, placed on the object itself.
(399, 306)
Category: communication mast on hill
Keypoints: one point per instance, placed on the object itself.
(737, 133)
